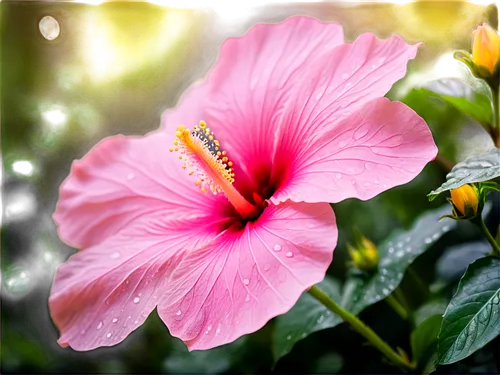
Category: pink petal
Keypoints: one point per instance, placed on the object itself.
(123, 178)
(337, 84)
(102, 294)
(248, 276)
(382, 145)
(250, 82)
(189, 110)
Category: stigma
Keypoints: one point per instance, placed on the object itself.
(203, 158)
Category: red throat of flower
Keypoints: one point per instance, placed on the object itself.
(204, 158)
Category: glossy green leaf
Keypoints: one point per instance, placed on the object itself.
(306, 317)
(397, 252)
(475, 169)
(430, 308)
(424, 340)
(463, 97)
(472, 319)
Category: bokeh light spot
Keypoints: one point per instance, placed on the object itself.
(22, 167)
(49, 27)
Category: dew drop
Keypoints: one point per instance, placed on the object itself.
(277, 247)
(446, 228)
(289, 254)
(289, 337)
(435, 236)
(209, 328)
(99, 326)
(320, 319)
(178, 313)
(399, 244)
(115, 320)
(391, 250)
(400, 254)
(136, 300)
(385, 291)
(408, 249)
(246, 281)
(428, 240)
(108, 335)
(217, 331)
(303, 335)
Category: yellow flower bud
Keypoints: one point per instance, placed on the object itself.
(365, 256)
(465, 199)
(486, 47)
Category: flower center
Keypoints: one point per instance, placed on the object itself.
(203, 157)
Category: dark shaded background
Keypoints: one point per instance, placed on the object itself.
(115, 68)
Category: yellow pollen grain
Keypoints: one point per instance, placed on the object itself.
(202, 152)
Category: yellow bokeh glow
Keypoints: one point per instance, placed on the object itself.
(118, 42)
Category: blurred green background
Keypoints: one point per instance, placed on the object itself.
(114, 68)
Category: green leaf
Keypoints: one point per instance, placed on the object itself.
(396, 253)
(306, 317)
(424, 340)
(489, 186)
(463, 97)
(475, 169)
(472, 319)
(430, 308)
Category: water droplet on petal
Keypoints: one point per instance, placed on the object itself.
(277, 247)
(246, 281)
(115, 320)
(136, 300)
(289, 254)
(99, 326)
(178, 313)
(108, 335)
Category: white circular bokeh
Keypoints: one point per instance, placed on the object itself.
(49, 27)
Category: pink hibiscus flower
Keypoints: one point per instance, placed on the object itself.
(297, 118)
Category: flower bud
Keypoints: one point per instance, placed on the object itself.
(465, 201)
(365, 255)
(486, 48)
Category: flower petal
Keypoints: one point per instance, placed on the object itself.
(123, 178)
(335, 85)
(246, 277)
(102, 294)
(382, 145)
(189, 110)
(251, 81)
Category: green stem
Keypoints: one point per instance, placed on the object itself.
(495, 128)
(423, 286)
(361, 328)
(489, 237)
(397, 307)
(398, 293)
